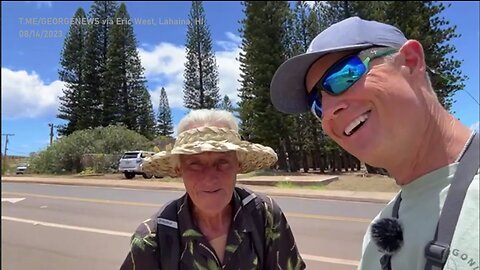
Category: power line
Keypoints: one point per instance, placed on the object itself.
(471, 96)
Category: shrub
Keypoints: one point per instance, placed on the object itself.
(65, 155)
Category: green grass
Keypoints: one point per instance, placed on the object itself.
(267, 172)
(289, 184)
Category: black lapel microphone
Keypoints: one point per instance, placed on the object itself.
(387, 234)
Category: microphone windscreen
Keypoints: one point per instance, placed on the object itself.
(387, 234)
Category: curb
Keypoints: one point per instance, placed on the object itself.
(173, 188)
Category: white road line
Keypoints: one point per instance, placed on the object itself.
(117, 233)
(329, 260)
(12, 200)
(68, 227)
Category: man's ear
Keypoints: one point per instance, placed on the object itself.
(413, 56)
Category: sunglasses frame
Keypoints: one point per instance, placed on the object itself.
(368, 55)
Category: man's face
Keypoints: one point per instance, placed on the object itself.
(209, 179)
(376, 116)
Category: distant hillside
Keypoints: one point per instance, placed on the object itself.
(15, 157)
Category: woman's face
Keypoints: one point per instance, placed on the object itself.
(209, 179)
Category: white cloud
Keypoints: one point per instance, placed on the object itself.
(42, 3)
(165, 63)
(229, 73)
(165, 59)
(231, 44)
(475, 126)
(26, 95)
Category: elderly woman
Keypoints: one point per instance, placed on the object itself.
(214, 225)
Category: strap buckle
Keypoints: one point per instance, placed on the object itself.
(437, 252)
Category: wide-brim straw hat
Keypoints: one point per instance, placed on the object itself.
(252, 156)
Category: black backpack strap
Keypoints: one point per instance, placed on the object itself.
(253, 204)
(437, 251)
(168, 238)
(386, 259)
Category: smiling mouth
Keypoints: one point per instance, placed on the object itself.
(356, 124)
(211, 191)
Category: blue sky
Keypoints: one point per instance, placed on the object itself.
(30, 85)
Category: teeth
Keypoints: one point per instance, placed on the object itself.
(356, 122)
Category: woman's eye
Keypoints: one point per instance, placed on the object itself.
(195, 166)
(223, 164)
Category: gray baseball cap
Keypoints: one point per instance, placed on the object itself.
(287, 89)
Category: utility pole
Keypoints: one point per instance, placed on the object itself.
(6, 148)
(51, 131)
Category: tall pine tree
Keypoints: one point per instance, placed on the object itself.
(200, 87)
(303, 29)
(164, 116)
(126, 98)
(102, 15)
(263, 44)
(73, 103)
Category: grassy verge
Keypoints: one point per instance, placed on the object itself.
(289, 184)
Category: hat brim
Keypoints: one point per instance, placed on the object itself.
(287, 89)
(252, 156)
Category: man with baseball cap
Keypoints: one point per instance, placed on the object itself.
(368, 85)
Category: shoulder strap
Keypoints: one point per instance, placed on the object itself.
(252, 203)
(386, 259)
(168, 240)
(437, 251)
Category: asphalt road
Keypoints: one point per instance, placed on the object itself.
(70, 227)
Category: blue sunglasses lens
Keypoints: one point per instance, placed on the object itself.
(343, 75)
(336, 81)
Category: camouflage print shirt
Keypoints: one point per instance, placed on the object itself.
(280, 250)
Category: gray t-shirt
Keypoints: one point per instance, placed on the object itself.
(422, 202)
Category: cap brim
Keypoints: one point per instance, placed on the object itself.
(287, 89)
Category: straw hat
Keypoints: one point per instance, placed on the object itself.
(211, 139)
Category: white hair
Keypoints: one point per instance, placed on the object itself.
(206, 118)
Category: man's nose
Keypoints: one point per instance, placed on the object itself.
(332, 106)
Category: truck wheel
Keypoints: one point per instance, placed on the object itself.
(147, 176)
(129, 175)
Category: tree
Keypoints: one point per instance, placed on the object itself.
(200, 87)
(227, 104)
(263, 44)
(304, 27)
(164, 117)
(73, 103)
(435, 33)
(126, 98)
(102, 15)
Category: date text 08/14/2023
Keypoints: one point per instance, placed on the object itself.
(40, 33)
